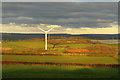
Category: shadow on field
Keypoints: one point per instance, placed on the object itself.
(14, 71)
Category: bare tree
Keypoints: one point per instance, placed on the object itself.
(55, 42)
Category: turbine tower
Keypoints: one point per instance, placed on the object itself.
(46, 32)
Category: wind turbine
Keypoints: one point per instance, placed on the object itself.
(46, 32)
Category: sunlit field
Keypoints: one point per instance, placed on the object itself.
(64, 59)
(59, 46)
(28, 59)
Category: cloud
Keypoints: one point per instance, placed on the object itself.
(12, 28)
(26, 28)
(69, 15)
(109, 30)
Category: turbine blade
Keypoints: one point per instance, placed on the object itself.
(49, 29)
(41, 29)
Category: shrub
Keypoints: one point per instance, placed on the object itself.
(101, 49)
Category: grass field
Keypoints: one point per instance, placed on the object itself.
(42, 71)
(69, 59)
(37, 45)
(21, 71)
(116, 45)
(25, 44)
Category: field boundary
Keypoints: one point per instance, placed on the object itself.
(60, 64)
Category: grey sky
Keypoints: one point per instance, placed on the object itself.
(67, 14)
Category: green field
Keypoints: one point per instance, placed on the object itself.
(21, 71)
(38, 45)
(116, 45)
(59, 71)
(25, 44)
(69, 59)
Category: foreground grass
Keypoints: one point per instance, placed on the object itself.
(27, 71)
(67, 59)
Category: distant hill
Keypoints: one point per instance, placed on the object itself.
(18, 36)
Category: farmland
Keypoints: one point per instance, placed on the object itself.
(65, 59)
(58, 46)
(65, 52)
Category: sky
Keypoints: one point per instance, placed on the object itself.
(73, 17)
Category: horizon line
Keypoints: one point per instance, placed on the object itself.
(43, 33)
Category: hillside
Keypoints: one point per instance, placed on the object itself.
(17, 36)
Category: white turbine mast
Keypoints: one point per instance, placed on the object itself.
(46, 32)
